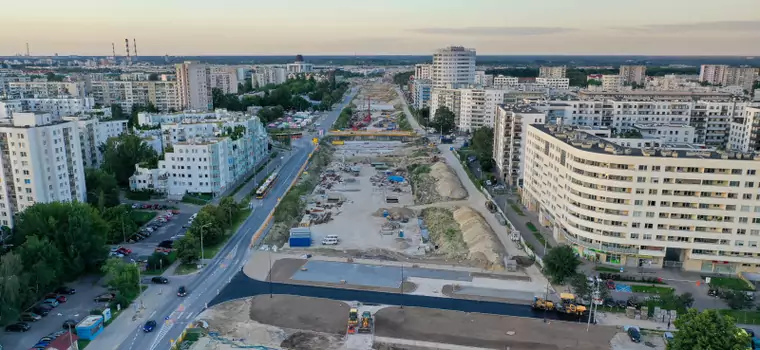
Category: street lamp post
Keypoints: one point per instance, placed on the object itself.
(202, 255)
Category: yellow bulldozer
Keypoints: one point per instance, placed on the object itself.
(568, 305)
(542, 304)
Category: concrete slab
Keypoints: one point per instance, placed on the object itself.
(370, 275)
(495, 293)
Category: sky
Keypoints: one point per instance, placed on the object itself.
(360, 27)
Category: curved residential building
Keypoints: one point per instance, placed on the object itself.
(675, 206)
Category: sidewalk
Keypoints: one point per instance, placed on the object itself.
(520, 222)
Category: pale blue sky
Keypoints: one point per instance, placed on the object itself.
(255, 27)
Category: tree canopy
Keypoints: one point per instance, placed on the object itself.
(560, 263)
(102, 189)
(444, 120)
(212, 222)
(122, 153)
(707, 330)
(402, 78)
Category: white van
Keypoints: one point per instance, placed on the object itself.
(330, 240)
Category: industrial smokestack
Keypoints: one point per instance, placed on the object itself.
(134, 43)
(113, 51)
(126, 44)
(27, 49)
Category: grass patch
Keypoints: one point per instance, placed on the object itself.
(742, 316)
(445, 231)
(732, 283)
(531, 227)
(142, 217)
(211, 251)
(541, 239)
(172, 257)
(195, 199)
(516, 208)
(143, 195)
(462, 156)
(185, 269)
(651, 289)
(606, 269)
(83, 343)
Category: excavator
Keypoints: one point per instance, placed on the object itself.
(353, 320)
(542, 304)
(568, 305)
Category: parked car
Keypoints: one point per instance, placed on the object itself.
(69, 324)
(136, 206)
(17, 327)
(52, 302)
(182, 291)
(65, 290)
(30, 317)
(40, 311)
(47, 307)
(125, 251)
(160, 280)
(105, 297)
(634, 334)
(610, 284)
(149, 326)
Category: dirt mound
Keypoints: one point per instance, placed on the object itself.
(447, 184)
(308, 340)
(482, 243)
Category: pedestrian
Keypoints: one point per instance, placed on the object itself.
(668, 325)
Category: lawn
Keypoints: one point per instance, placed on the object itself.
(142, 217)
(729, 283)
(743, 316)
(651, 289)
(82, 343)
(606, 269)
(516, 208)
(194, 200)
(531, 227)
(541, 239)
(158, 272)
(185, 269)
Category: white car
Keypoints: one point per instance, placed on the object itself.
(330, 240)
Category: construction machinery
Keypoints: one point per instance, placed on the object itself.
(542, 304)
(366, 324)
(568, 305)
(353, 320)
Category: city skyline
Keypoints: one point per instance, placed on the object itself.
(342, 27)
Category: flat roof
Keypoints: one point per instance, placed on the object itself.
(520, 108)
(89, 321)
(654, 93)
(591, 143)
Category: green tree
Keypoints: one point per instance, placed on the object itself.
(594, 82)
(102, 189)
(402, 78)
(580, 286)
(158, 261)
(208, 222)
(12, 287)
(153, 77)
(707, 330)
(122, 276)
(229, 209)
(482, 143)
(122, 153)
(299, 103)
(117, 112)
(738, 300)
(444, 120)
(188, 249)
(121, 225)
(42, 264)
(76, 229)
(560, 263)
(424, 116)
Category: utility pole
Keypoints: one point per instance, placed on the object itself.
(591, 309)
(202, 227)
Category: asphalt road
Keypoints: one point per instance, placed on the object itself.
(177, 312)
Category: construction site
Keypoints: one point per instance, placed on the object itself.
(377, 108)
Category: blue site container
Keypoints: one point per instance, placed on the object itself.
(300, 241)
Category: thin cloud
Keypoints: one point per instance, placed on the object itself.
(729, 26)
(494, 31)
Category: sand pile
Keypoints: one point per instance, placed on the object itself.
(447, 182)
(481, 241)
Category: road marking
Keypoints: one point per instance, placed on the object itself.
(189, 315)
(151, 315)
(179, 315)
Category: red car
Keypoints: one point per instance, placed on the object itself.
(124, 251)
(610, 284)
(59, 298)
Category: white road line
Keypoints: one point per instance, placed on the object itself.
(179, 315)
(151, 315)
(189, 315)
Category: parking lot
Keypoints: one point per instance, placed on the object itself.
(76, 307)
(172, 229)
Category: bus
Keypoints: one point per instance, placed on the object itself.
(262, 191)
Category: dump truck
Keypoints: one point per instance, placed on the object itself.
(365, 326)
(353, 320)
(568, 305)
(542, 304)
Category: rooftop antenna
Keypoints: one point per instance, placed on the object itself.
(126, 44)
(134, 43)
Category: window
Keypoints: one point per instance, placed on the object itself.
(754, 232)
(656, 168)
(652, 191)
(749, 184)
(751, 172)
(744, 208)
(27, 181)
(655, 180)
(639, 191)
(641, 179)
(636, 214)
(739, 243)
(756, 220)
(650, 214)
(634, 236)
(638, 202)
(734, 183)
(752, 243)
(651, 203)
(743, 220)
(747, 196)
(648, 225)
(635, 225)
(647, 236)
(643, 167)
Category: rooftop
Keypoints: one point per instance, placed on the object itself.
(520, 108)
(90, 320)
(590, 143)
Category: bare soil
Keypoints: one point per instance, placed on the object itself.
(289, 311)
(488, 331)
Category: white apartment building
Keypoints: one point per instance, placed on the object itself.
(611, 82)
(7, 79)
(477, 108)
(554, 83)
(633, 74)
(422, 93)
(508, 145)
(502, 82)
(270, 75)
(453, 67)
(644, 95)
(679, 207)
(712, 73)
(154, 119)
(92, 134)
(552, 72)
(206, 164)
(666, 133)
(161, 94)
(40, 162)
(743, 136)
(224, 79)
(482, 79)
(720, 74)
(299, 67)
(423, 71)
(449, 98)
(46, 89)
(194, 86)
(56, 107)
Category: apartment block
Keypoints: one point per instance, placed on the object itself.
(453, 67)
(6, 79)
(554, 83)
(40, 162)
(644, 95)
(477, 108)
(46, 89)
(299, 66)
(482, 79)
(712, 73)
(502, 82)
(611, 82)
(194, 86)
(161, 94)
(744, 135)
(270, 75)
(93, 133)
(508, 145)
(449, 98)
(422, 93)
(743, 77)
(552, 72)
(56, 107)
(206, 164)
(423, 71)
(672, 206)
(633, 74)
(224, 79)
